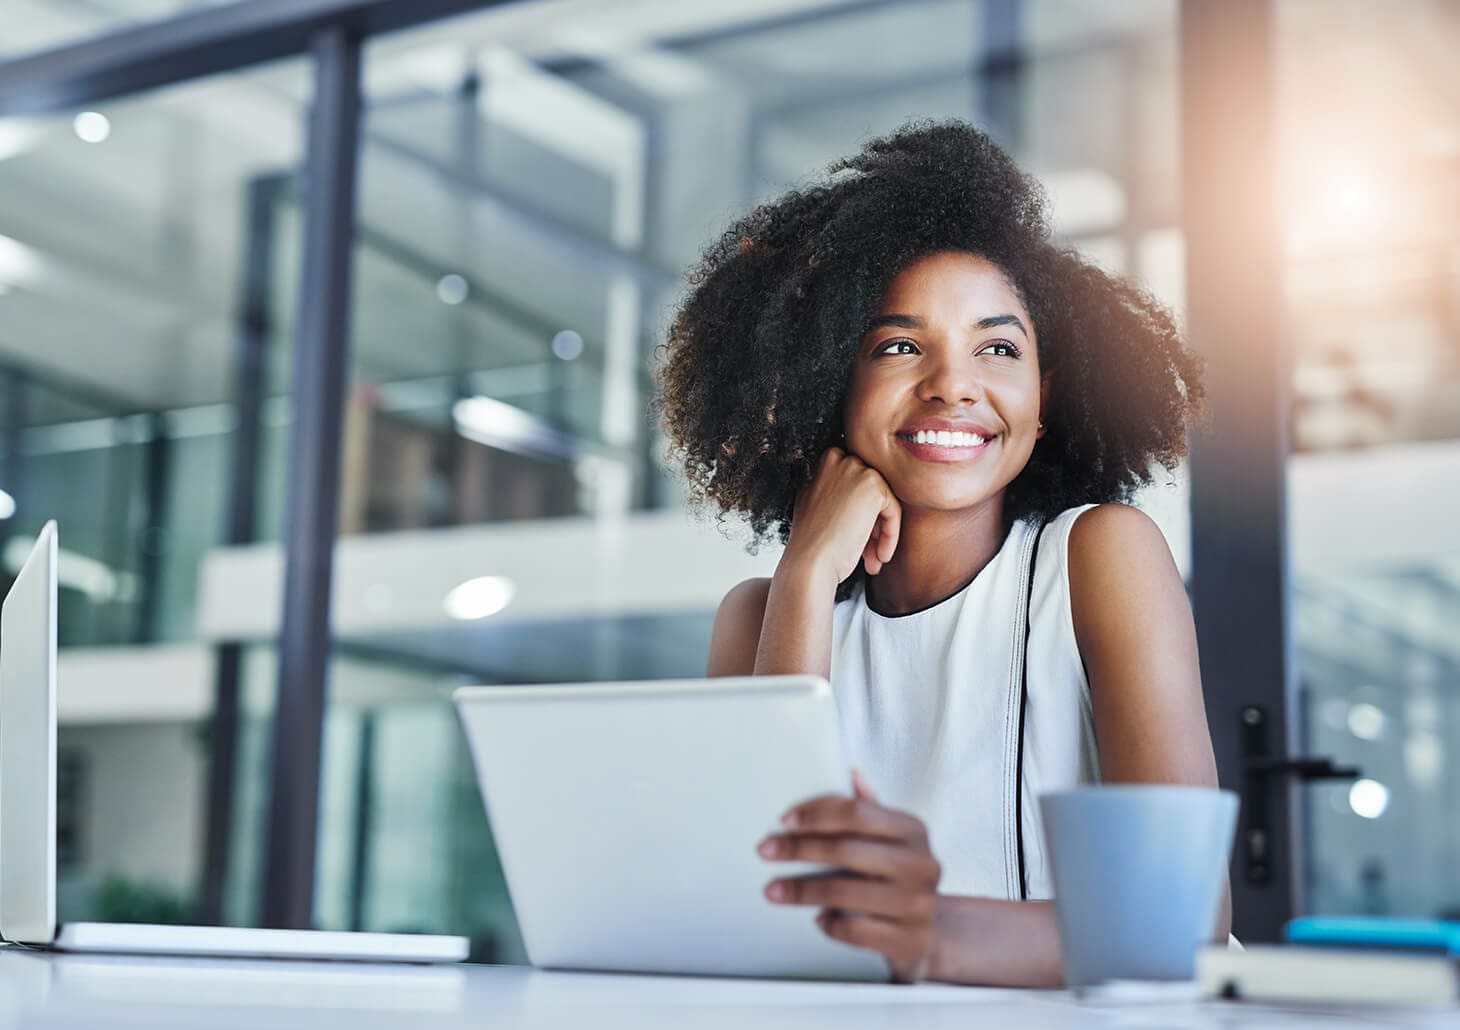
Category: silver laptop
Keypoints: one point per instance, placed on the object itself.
(627, 815)
(28, 817)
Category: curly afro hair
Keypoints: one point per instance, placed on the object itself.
(758, 357)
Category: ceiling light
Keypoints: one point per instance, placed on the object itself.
(1366, 721)
(567, 345)
(92, 126)
(19, 262)
(498, 424)
(480, 597)
(1368, 798)
(452, 289)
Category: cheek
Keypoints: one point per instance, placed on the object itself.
(859, 407)
(1022, 401)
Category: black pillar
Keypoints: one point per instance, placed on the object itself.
(463, 191)
(321, 367)
(364, 821)
(255, 326)
(1238, 462)
(158, 465)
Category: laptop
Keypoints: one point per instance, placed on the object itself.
(626, 816)
(28, 817)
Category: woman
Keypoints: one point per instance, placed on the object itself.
(939, 412)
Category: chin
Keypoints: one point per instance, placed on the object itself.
(928, 497)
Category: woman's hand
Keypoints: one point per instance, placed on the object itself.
(846, 514)
(885, 896)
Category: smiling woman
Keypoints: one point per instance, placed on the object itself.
(939, 411)
(782, 300)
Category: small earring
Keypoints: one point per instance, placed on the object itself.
(1041, 425)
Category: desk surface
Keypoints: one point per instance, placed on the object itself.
(38, 989)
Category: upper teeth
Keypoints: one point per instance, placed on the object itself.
(944, 438)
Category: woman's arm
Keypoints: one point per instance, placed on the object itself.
(996, 942)
(1134, 628)
(845, 517)
(767, 627)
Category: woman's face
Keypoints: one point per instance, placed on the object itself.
(946, 393)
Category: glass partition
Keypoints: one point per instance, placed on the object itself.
(123, 239)
(528, 209)
(1371, 155)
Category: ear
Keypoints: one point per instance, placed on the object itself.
(1043, 407)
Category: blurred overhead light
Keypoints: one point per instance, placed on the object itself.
(567, 345)
(452, 289)
(1366, 721)
(480, 597)
(18, 262)
(92, 126)
(1368, 798)
(7, 505)
(1424, 757)
(498, 424)
(18, 135)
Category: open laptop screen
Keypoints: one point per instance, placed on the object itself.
(28, 748)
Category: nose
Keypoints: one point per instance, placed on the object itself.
(951, 378)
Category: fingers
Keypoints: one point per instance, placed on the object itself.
(860, 788)
(875, 858)
(889, 526)
(836, 814)
(862, 930)
(854, 894)
(907, 951)
(870, 561)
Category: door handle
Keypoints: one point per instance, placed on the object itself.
(1258, 769)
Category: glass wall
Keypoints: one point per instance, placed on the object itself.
(124, 233)
(1371, 156)
(528, 208)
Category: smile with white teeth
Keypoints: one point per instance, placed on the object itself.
(945, 438)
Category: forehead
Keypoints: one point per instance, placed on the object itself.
(951, 281)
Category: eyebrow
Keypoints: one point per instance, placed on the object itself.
(913, 322)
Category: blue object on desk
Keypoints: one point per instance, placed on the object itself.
(1376, 932)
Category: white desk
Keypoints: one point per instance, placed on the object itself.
(45, 990)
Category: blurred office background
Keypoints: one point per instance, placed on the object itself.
(533, 179)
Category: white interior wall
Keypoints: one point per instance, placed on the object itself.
(142, 801)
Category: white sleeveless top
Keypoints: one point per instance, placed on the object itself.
(929, 715)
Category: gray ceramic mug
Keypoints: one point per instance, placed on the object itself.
(1138, 874)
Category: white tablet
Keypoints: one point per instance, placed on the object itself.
(627, 816)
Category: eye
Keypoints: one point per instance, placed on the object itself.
(1002, 349)
(899, 346)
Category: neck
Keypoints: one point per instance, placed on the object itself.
(938, 553)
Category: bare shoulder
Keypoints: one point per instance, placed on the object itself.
(1116, 532)
(737, 628)
(1122, 576)
(747, 597)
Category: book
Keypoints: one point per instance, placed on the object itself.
(1286, 973)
